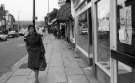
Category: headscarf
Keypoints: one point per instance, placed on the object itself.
(32, 38)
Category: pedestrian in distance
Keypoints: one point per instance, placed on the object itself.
(36, 51)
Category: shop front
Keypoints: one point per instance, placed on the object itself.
(114, 40)
(104, 31)
(123, 55)
(83, 29)
(65, 20)
(102, 54)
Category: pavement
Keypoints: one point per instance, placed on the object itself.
(64, 66)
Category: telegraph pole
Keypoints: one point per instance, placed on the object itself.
(48, 6)
(34, 13)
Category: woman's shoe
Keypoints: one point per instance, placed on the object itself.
(36, 81)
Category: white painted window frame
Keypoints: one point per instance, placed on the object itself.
(113, 36)
(94, 5)
(76, 25)
(115, 63)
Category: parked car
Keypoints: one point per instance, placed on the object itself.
(3, 36)
(21, 33)
(12, 34)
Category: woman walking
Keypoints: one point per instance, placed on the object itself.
(36, 50)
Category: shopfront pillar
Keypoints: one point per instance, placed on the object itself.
(113, 36)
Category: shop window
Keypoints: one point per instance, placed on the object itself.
(82, 32)
(103, 35)
(72, 29)
(126, 38)
(126, 26)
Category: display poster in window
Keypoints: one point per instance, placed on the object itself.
(125, 31)
(126, 26)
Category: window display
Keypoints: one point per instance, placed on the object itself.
(103, 34)
(126, 40)
(82, 32)
(126, 26)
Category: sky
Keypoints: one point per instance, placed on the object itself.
(23, 9)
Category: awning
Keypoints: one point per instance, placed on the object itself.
(52, 22)
(52, 15)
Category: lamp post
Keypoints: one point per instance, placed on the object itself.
(34, 13)
(48, 6)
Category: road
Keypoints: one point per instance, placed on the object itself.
(11, 51)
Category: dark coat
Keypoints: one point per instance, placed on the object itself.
(35, 49)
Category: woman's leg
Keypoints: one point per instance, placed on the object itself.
(36, 76)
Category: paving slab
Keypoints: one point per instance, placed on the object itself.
(71, 64)
(47, 78)
(77, 79)
(58, 74)
(56, 69)
(56, 62)
(73, 71)
(5, 77)
(31, 76)
(30, 81)
(81, 63)
(89, 75)
(22, 72)
(68, 58)
(17, 79)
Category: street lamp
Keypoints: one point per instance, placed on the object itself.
(34, 13)
(48, 6)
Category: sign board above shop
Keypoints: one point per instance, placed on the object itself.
(77, 2)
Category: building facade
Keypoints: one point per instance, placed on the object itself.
(10, 22)
(2, 18)
(104, 35)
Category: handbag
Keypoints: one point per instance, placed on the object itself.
(42, 63)
(42, 59)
